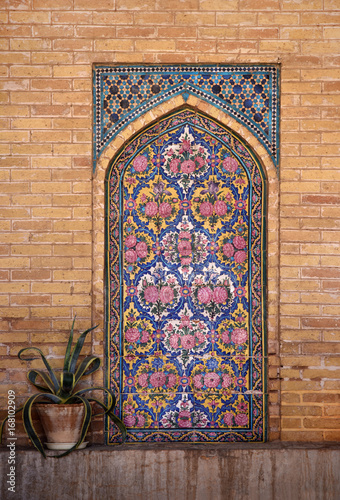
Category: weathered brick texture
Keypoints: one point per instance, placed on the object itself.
(46, 53)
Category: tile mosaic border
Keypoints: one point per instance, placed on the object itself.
(250, 94)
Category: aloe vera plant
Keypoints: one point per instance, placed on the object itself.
(63, 390)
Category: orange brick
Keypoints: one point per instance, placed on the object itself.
(293, 33)
(302, 5)
(112, 18)
(231, 18)
(27, 44)
(53, 4)
(51, 136)
(50, 312)
(216, 33)
(52, 58)
(14, 136)
(113, 45)
(259, 5)
(73, 44)
(219, 5)
(63, 275)
(196, 46)
(320, 18)
(89, 5)
(18, 57)
(15, 31)
(30, 71)
(14, 111)
(195, 18)
(281, 46)
(73, 71)
(53, 213)
(31, 123)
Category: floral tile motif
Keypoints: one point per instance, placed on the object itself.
(187, 289)
(248, 93)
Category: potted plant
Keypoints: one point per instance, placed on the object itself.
(60, 395)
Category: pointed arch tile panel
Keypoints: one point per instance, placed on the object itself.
(186, 284)
(250, 94)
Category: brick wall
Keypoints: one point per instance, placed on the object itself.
(47, 48)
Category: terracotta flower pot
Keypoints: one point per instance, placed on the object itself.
(62, 424)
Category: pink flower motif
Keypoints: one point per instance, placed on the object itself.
(151, 208)
(185, 320)
(140, 163)
(228, 419)
(171, 380)
(165, 210)
(157, 379)
(140, 420)
(184, 247)
(200, 337)
(220, 295)
(188, 341)
(240, 256)
(130, 241)
(239, 336)
(143, 380)
(186, 261)
(226, 380)
(241, 419)
(198, 381)
(225, 337)
(205, 295)
(206, 209)
(200, 161)
(142, 249)
(220, 208)
(185, 146)
(151, 294)
(228, 250)
(129, 420)
(174, 165)
(166, 295)
(184, 419)
(132, 334)
(188, 166)
(184, 235)
(230, 164)
(145, 336)
(211, 380)
(174, 341)
(239, 242)
(130, 256)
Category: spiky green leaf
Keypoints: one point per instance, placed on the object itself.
(77, 349)
(68, 348)
(85, 367)
(46, 363)
(32, 376)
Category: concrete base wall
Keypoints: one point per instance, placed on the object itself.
(179, 472)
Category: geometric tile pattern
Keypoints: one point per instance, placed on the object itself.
(248, 93)
(186, 284)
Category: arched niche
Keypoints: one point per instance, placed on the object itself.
(186, 301)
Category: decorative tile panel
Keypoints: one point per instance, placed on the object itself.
(186, 284)
(247, 93)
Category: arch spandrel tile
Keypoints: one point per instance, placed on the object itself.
(250, 94)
